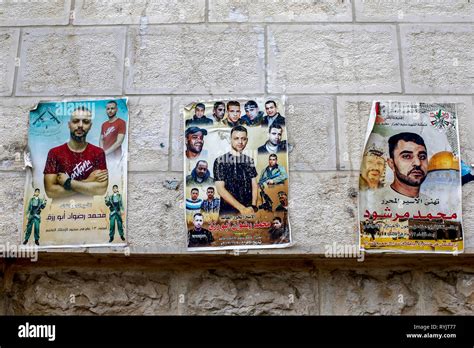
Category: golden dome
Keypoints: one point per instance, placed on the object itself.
(443, 160)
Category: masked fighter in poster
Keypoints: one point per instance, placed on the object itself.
(199, 236)
(112, 133)
(252, 117)
(34, 216)
(236, 177)
(115, 205)
(76, 167)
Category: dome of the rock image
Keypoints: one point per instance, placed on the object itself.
(443, 160)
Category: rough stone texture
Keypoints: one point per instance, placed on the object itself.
(192, 64)
(88, 292)
(12, 186)
(84, 61)
(324, 59)
(2, 294)
(14, 114)
(332, 221)
(370, 292)
(353, 115)
(149, 133)
(230, 285)
(155, 214)
(251, 291)
(49, 12)
(280, 11)
(314, 147)
(438, 59)
(9, 43)
(414, 11)
(138, 12)
(468, 216)
(177, 131)
(450, 292)
(215, 290)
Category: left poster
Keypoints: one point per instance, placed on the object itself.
(76, 181)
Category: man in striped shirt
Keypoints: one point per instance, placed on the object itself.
(193, 204)
(211, 204)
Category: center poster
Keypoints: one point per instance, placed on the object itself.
(236, 175)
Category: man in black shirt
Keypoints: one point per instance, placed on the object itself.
(198, 236)
(236, 177)
(199, 118)
(272, 117)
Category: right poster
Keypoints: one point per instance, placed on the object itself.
(410, 179)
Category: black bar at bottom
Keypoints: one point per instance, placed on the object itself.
(223, 331)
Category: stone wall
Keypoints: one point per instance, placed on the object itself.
(238, 285)
(328, 59)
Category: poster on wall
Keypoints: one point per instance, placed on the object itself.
(76, 184)
(410, 179)
(236, 175)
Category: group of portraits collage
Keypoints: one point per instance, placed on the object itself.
(236, 174)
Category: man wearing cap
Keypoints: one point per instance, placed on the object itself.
(199, 118)
(194, 138)
(252, 117)
(274, 143)
(200, 175)
(273, 116)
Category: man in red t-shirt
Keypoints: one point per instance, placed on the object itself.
(76, 166)
(112, 133)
